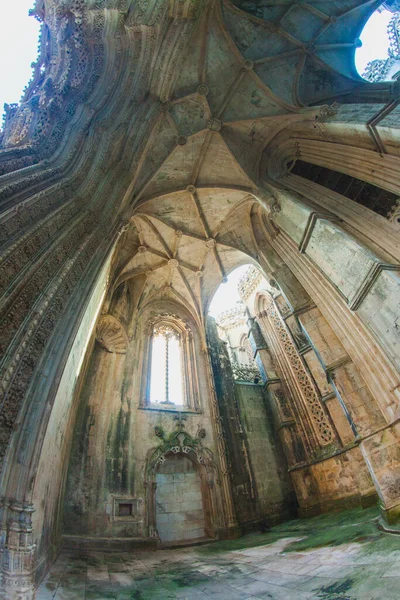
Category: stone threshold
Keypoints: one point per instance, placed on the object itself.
(185, 543)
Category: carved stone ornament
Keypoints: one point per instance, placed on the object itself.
(308, 391)
(173, 263)
(203, 89)
(267, 200)
(180, 441)
(327, 111)
(210, 243)
(248, 282)
(111, 335)
(214, 125)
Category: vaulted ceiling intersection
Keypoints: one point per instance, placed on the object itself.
(176, 102)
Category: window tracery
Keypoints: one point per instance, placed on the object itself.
(170, 369)
(166, 385)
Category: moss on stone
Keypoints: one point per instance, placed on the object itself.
(332, 529)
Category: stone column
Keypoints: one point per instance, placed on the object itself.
(229, 516)
(18, 552)
(357, 218)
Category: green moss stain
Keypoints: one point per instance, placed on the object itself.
(116, 469)
(169, 577)
(333, 529)
(340, 587)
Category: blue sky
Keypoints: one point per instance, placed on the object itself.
(19, 35)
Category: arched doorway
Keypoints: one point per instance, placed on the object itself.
(179, 500)
(181, 493)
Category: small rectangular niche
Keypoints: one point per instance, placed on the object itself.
(124, 509)
(127, 509)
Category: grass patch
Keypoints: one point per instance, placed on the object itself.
(331, 529)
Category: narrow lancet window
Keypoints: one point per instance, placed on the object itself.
(166, 381)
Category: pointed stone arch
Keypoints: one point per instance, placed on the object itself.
(180, 442)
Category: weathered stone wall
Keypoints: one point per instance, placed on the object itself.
(50, 481)
(243, 489)
(276, 498)
(115, 432)
(250, 444)
(336, 483)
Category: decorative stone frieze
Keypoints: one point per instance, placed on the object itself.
(232, 317)
(180, 441)
(248, 283)
(306, 387)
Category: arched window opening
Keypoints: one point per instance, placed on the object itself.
(166, 381)
(170, 369)
(381, 201)
(236, 324)
(378, 57)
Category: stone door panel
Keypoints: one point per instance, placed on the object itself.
(179, 505)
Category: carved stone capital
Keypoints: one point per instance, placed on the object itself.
(267, 200)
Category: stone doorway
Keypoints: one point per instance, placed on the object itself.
(179, 501)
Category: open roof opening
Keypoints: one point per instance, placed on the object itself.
(378, 58)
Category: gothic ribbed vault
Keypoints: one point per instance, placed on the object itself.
(150, 155)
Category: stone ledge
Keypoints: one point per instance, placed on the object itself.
(383, 526)
(108, 544)
(184, 543)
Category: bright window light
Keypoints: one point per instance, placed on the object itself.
(19, 37)
(227, 294)
(166, 369)
(375, 40)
